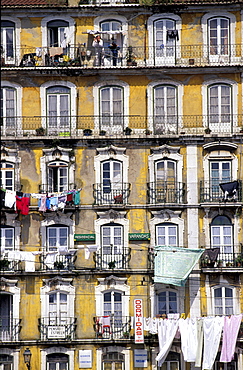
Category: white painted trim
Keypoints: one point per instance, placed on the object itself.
(159, 288)
(18, 30)
(63, 350)
(14, 353)
(122, 350)
(62, 17)
(115, 17)
(179, 96)
(236, 295)
(73, 96)
(8, 286)
(19, 92)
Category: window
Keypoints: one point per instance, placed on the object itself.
(165, 45)
(112, 32)
(165, 110)
(8, 106)
(58, 308)
(6, 315)
(8, 40)
(222, 235)
(172, 362)
(223, 301)
(57, 176)
(166, 187)
(57, 238)
(111, 179)
(113, 307)
(6, 362)
(113, 361)
(220, 172)
(113, 251)
(58, 107)
(166, 235)
(219, 105)
(167, 302)
(57, 31)
(7, 175)
(218, 33)
(111, 109)
(7, 238)
(57, 361)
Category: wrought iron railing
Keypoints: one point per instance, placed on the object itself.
(222, 259)
(55, 261)
(80, 126)
(57, 328)
(112, 327)
(112, 257)
(80, 56)
(111, 193)
(9, 329)
(166, 192)
(7, 264)
(213, 193)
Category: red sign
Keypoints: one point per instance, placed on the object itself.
(138, 325)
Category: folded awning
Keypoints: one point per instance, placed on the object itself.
(229, 188)
(174, 264)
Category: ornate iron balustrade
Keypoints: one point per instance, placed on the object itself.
(57, 328)
(9, 329)
(230, 260)
(9, 265)
(133, 56)
(80, 126)
(213, 194)
(111, 193)
(112, 258)
(166, 192)
(112, 327)
(54, 261)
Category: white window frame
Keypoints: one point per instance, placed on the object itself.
(71, 30)
(17, 130)
(53, 350)
(221, 236)
(167, 225)
(12, 156)
(11, 222)
(114, 17)
(73, 105)
(58, 229)
(11, 352)
(57, 367)
(223, 298)
(150, 26)
(57, 154)
(232, 28)
(159, 288)
(58, 165)
(123, 350)
(205, 101)
(96, 94)
(179, 100)
(4, 169)
(3, 238)
(62, 121)
(17, 22)
(167, 300)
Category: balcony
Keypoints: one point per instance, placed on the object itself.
(82, 57)
(9, 329)
(213, 260)
(166, 192)
(57, 328)
(213, 194)
(53, 261)
(112, 258)
(111, 193)
(112, 327)
(76, 126)
(7, 265)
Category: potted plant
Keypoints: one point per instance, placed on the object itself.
(40, 131)
(4, 264)
(126, 334)
(102, 132)
(147, 131)
(59, 265)
(207, 130)
(130, 57)
(220, 263)
(112, 264)
(127, 131)
(87, 132)
(238, 261)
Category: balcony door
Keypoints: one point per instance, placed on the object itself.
(57, 176)
(57, 31)
(218, 34)
(222, 237)
(220, 108)
(111, 32)
(8, 108)
(58, 109)
(111, 109)
(8, 41)
(113, 308)
(165, 181)
(112, 246)
(220, 172)
(111, 173)
(58, 308)
(6, 316)
(164, 42)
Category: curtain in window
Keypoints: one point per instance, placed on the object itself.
(165, 46)
(219, 36)
(165, 106)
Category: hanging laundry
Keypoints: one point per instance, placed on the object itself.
(198, 361)
(22, 204)
(10, 198)
(2, 198)
(62, 201)
(42, 205)
(212, 328)
(230, 333)
(188, 330)
(76, 198)
(153, 326)
(53, 203)
(166, 333)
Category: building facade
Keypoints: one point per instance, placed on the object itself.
(120, 122)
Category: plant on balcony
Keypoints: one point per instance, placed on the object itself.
(147, 132)
(126, 334)
(239, 261)
(4, 264)
(127, 131)
(220, 263)
(40, 131)
(112, 264)
(207, 130)
(87, 132)
(130, 57)
(59, 265)
(102, 132)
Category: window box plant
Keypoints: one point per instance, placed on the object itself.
(4, 264)
(112, 264)
(239, 261)
(126, 334)
(59, 265)
(207, 130)
(127, 131)
(102, 132)
(40, 131)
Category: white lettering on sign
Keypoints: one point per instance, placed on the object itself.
(138, 314)
(56, 332)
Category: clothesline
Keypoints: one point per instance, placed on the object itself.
(46, 201)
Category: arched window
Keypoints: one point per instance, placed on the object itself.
(167, 302)
(57, 361)
(111, 180)
(8, 107)
(58, 108)
(8, 40)
(57, 176)
(57, 32)
(111, 29)
(165, 109)
(222, 237)
(164, 40)
(220, 106)
(111, 109)
(166, 234)
(7, 238)
(223, 300)
(6, 314)
(218, 36)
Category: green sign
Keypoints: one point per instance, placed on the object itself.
(139, 236)
(84, 237)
